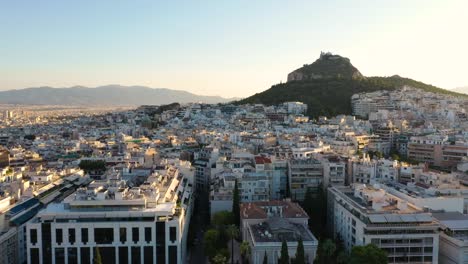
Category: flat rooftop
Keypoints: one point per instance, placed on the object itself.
(276, 229)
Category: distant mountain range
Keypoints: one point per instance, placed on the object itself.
(109, 95)
(461, 90)
(327, 85)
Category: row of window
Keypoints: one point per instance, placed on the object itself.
(103, 235)
(105, 254)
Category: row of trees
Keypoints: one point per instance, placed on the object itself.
(300, 257)
(222, 230)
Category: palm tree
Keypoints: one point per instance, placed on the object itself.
(244, 250)
(219, 259)
(97, 257)
(232, 232)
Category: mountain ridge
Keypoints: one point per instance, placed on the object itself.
(108, 95)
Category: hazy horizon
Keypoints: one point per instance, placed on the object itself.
(225, 49)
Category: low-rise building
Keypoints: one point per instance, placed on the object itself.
(266, 224)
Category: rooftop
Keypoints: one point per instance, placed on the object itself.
(277, 229)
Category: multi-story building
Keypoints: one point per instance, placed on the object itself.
(8, 246)
(304, 174)
(362, 215)
(266, 224)
(437, 151)
(4, 158)
(142, 224)
(334, 171)
(363, 170)
(453, 242)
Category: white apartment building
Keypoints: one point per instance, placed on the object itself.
(142, 224)
(364, 170)
(361, 215)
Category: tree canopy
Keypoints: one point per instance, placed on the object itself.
(368, 254)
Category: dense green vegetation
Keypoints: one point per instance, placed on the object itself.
(92, 165)
(368, 254)
(216, 237)
(330, 97)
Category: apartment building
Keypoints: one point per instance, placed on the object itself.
(437, 150)
(304, 174)
(362, 214)
(141, 224)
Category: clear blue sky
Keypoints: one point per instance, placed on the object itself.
(228, 48)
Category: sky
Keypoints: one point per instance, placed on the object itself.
(226, 48)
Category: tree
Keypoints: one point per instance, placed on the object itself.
(300, 255)
(288, 191)
(236, 204)
(219, 259)
(308, 201)
(284, 258)
(223, 218)
(265, 258)
(30, 137)
(328, 249)
(368, 254)
(245, 251)
(211, 239)
(232, 233)
(97, 256)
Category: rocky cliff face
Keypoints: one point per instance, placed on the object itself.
(328, 66)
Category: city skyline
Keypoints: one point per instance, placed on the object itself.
(232, 50)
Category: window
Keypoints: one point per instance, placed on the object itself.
(172, 254)
(160, 242)
(59, 255)
(135, 235)
(123, 235)
(107, 254)
(103, 235)
(85, 255)
(148, 234)
(123, 255)
(147, 254)
(84, 235)
(59, 236)
(136, 255)
(71, 236)
(72, 256)
(33, 235)
(173, 233)
(34, 255)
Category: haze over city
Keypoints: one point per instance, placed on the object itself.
(231, 49)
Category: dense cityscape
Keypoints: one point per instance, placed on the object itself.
(243, 183)
(233, 132)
